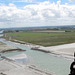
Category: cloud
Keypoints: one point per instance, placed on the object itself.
(41, 14)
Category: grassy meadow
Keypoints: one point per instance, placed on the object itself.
(44, 39)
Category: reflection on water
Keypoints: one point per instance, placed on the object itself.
(23, 61)
(1, 35)
(57, 65)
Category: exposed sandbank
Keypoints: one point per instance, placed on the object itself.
(65, 50)
(8, 48)
(10, 67)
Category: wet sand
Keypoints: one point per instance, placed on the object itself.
(66, 50)
(8, 65)
(8, 48)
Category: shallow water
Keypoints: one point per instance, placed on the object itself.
(49, 62)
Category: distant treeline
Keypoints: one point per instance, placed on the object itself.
(59, 28)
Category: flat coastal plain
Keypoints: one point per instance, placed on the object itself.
(44, 38)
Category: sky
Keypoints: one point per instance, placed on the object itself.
(29, 13)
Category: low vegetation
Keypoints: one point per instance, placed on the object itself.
(44, 38)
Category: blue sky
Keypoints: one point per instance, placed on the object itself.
(25, 2)
(25, 13)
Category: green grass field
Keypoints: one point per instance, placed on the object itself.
(44, 39)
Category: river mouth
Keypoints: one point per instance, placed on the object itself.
(49, 62)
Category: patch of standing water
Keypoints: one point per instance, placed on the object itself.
(57, 65)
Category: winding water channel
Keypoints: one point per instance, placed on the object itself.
(47, 61)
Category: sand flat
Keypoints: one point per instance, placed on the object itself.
(8, 67)
(7, 48)
(66, 49)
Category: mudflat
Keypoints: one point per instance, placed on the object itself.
(11, 67)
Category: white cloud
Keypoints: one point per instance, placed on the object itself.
(59, 1)
(44, 13)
